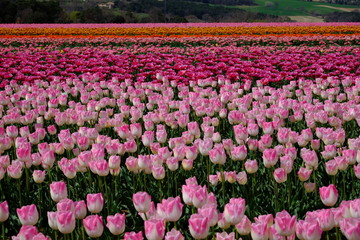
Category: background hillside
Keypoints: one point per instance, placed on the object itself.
(147, 11)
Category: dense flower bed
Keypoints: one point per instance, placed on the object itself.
(253, 137)
(269, 59)
(192, 29)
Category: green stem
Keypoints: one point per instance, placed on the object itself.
(276, 196)
(222, 183)
(160, 190)
(343, 187)
(82, 232)
(352, 180)
(107, 197)
(316, 187)
(3, 231)
(27, 180)
(338, 237)
(2, 192)
(19, 189)
(89, 177)
(289, 192)
(207, 171)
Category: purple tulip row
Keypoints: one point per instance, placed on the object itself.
(37, 59)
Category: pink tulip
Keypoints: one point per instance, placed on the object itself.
(172, 163)
(27, 232)
(284, 223)
(350, 227)
(309, 230)
(210, 212)
(116, 223)
(133, 236)
(170, 209)
(58, 191)
(4, 211)
(52, 220)
(28, 215)
(39, 176)
(199, 196)
(198, 226)
(14, 170)
(80, 209)
(354, 208)
(324, 217)
(205, 146)
(12, 131)
(253, 129)
(65, 221)
(51, 129)
(283, 135)
(93, 225)
(100, 167)
(239, 153)
(244, 226)
(234, 210)
(280, 175)
(142, 201)
(65, 205)
(270, 157)
(187, 164)
(225, 236)
(259, 231)
(154, 229)
(329, 195)
(331, 167)
(217, 155)
(147, 138)
(251, 166)
(230, 176)
(114, 162)
(95, 202)
(309, 186)
(158, 172)
(304, 174)
(48, 159)
(174, 235)
(40, 236)
(357, 170)
(310, 158)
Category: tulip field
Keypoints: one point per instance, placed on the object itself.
(180, 131)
